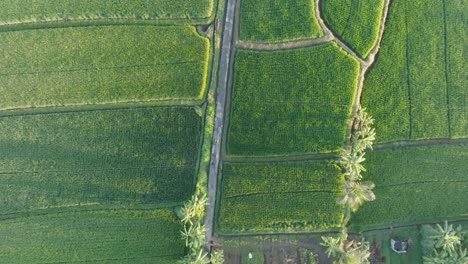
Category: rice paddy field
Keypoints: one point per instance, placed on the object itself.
(282, 196)
(415, 185)
(102, 119)
(28, 11)
(356, 22)
(101, 65)
(277, 20)
(417, 87)
(294, 101)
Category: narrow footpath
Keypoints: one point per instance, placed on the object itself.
(221, 92)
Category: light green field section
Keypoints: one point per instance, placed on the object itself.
(356, 22)
(27, 11)
(295, 101)
(100, 65)
(98, 236)
(127, 156)
(282, 196)
(417, 87)
(278, 20)
(415, 185)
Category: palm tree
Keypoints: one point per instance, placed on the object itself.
(447, 238)
(333, 245)
(356, 193)
(351, 162)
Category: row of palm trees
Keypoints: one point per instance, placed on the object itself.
(355, 192)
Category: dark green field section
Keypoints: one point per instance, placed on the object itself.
(127, 156)
(28, 11)
(415, 185)
(356, 22)
(295, 101)
(103, 236)
(282, 196)
(100, 65)
(278, 20)
(417, 87)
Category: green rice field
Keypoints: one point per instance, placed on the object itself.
(278, 20)
(27, 11)
(415, 185)
(94, 236)
(140, 155)
(295, 101)
(417, 86)
(356, 22)
(282, 196)
(101, 65)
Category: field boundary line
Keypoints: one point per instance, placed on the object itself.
(417, 182)
(275, 193)
(303, 43)
(421, 143)
(408, 75)
(359, 230)
(42, 110)
(284, 158)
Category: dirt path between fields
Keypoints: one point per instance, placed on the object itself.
(221, 92)
(422, 143)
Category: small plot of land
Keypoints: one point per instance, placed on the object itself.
(27, 11)
(279, 197)
(296, 101)
(278, 20)
(356, 22)
(104, 236)
(141, 155)
(414, 185)
(99, 65)
(417, 87)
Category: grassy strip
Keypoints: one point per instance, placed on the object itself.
(28, 11)
(417, 76)
(140, 155)
(289, 102)
(279, 197)
(278, 20)
(137, 236)
(414, 185)
(99, 65)
(356, 22)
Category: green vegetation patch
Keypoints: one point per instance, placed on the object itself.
(414, 185)
(294, 101)
(284, 196)
(99, 65)
(140, 155)
(417, 87)
(27, 11)
(104, 236)
(356, 22)
(278, 20)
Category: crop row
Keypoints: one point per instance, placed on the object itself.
(413, 185)
(294, 101)
(278, 20)
(110, 236)
(356, 22)
(138, 155)
(279, 197)
(26, 11)
(96, 65)
(417, 87)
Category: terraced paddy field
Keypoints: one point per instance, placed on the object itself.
(93, 235)
(28, 11)
(417, 87)
(356, 22)
(415, 185)
(101, 65)
(277, 20)
(280, 196)
(294, 101)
